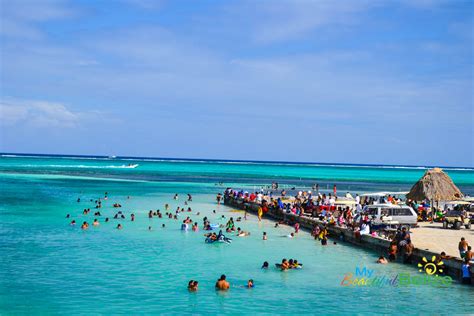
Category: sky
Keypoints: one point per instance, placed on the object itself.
(384, 82)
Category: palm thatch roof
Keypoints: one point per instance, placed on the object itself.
(435, 185)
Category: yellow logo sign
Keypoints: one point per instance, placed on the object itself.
(431, 267)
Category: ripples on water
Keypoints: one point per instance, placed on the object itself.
(48, 267)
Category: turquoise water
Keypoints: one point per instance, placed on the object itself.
(48, 267)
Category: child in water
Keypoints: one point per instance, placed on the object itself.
(193, 286)
(250, 284)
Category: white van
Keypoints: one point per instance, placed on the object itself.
(400, 214)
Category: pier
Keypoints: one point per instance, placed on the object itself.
(374, 243)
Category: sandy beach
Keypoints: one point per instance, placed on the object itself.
(434, 238)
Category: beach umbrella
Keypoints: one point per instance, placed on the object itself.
(435, 185)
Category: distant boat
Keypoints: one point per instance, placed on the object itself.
(112, 157)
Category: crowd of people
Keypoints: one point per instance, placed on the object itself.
(321, 206)
(326, 208)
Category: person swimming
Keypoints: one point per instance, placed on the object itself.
(119, 226)
(296, 265)
(184, 226)
(264, 236)
(193, 286)
(241, 233)
(265, 265)
(250, 284)
(382, 260)
(222, 283)
(96, 222)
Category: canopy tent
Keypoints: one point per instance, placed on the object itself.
(435, 185)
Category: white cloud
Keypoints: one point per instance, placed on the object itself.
(288, 20)
(38, 113)
(19, 18)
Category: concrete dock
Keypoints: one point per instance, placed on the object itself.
(380, 245)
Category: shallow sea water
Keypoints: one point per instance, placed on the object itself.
(49, 267)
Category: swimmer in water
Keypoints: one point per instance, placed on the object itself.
(163, 226)
(264, 236)
(193, 286)
(67, 216)
(73, 223)
(382, 260)
(250, 284)
(222, 283)
(119, 226)
(149, 227)
(84, 226)
(290, 235)
(96, 222)
(265, 265)
(106, 219)
(132, 217)
(241, 233)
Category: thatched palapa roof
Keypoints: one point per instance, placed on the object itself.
(435, 185)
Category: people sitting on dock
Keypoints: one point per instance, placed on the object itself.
(409, 248)
(469, 254)
(392, 251)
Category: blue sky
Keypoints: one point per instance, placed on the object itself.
(325, 81)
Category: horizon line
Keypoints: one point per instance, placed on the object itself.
(231, 160)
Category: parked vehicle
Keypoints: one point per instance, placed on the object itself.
(391, 214)
(456, 219)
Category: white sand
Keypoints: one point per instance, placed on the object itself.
(434, 238)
